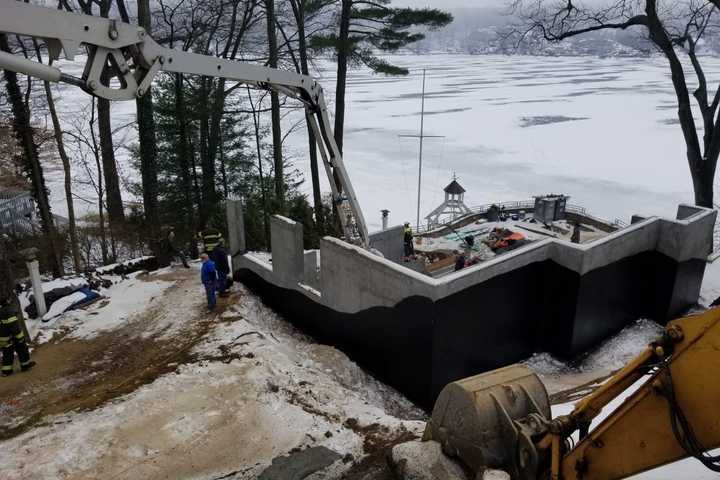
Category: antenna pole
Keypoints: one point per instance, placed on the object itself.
(422, 125)
(422, 136)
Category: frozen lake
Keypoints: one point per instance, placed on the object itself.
(603, 131)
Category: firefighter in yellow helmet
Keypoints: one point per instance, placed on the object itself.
(211, 237)
(12, 339)
(408, 240)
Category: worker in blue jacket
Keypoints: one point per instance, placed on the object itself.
(208, 275)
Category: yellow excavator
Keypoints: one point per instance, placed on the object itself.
(498, 420)
(501, 419)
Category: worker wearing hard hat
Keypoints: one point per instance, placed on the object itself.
(211, 237)
(408, 240)
(12, 339)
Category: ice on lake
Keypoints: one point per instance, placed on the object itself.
(603, 131)
(600, 130)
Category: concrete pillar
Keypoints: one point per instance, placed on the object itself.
(34, 270)
(311, 274)
(287, 250)
(236, 227)
(385, 217)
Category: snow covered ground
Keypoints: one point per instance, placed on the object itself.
(256, 389)
(124, 299)
(253, 389)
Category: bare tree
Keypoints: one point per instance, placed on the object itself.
(58, 134)
(675, 29)
(33, 169)
(112, 182)
(88, 152)
(275, 106)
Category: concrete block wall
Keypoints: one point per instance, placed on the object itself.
(389, 242)
(287, 250)
(353, 279)
(236, 226)
(311, 276)
(548, 296)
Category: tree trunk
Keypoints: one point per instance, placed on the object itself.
(148, 146)
(275, 108)
(703, 181)
(299, 10)
(184, 151)
(207, 164)
(256, 123)
(33, 169)
(342, 63)
(57, 131)
(218, 108)
(116, 215)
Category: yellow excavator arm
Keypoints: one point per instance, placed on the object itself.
(501, 419)
(675, 414)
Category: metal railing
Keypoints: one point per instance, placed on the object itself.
(524, 205)
(16, 212)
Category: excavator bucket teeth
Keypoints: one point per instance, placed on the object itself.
(475, 419)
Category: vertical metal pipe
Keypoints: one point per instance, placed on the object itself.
(34, 269)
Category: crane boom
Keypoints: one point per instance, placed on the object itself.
(127, 53)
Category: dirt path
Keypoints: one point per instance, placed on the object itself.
(82, 374)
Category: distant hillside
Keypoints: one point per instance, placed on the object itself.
(482, 30)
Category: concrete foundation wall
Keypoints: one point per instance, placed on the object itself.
(354, 279)
(311, 276)
(236, 226)
(287, 250)
(389, 242)
(550, 295)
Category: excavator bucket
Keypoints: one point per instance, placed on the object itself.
(489, 420)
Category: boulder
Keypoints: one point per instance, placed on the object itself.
(423, 461)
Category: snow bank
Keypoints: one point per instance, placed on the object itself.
(612, 355)
(710, 289)
(122, 301)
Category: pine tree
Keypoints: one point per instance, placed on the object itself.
(365, 28)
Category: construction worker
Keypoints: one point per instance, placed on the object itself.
(208, 276)
(172, 250)
(12, 339)
(211, 237)
(408, 240)
(220, 257)
(459, 260)
(575, 238)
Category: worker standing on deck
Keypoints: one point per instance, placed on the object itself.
(220, 257)
(575, 238)
(408, 240)
(208, 276)
(12, 339)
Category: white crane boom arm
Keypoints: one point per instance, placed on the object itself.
(126, 52)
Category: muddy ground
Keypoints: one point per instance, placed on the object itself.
(83, 374)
